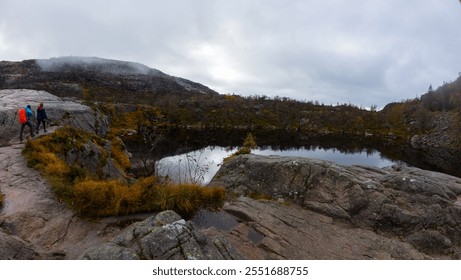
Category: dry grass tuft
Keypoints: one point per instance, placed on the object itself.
(91, 196)
(105, 198)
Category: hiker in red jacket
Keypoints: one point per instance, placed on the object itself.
(25, 118)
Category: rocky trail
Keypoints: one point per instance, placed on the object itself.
(32, 213)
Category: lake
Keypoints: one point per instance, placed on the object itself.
(201, 165)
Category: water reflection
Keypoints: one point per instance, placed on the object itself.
(198, 153)
(200, 166)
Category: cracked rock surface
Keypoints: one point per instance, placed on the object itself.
(165, 236)
(342, 212)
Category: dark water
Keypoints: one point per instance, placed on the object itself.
(195, 155)
(200, 166)
(223, 221)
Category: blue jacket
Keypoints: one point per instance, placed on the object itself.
(29, 113)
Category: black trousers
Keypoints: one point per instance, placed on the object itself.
(38, 125)
(29, 124)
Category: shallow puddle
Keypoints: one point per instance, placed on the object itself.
(219, 220)
(223, 221)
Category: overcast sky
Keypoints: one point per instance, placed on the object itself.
(360, 51)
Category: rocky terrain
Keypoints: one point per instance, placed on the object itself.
(278, 208)
(59, 111)
(164, 236)
(312, 209)
(343, 212)
(34, 224)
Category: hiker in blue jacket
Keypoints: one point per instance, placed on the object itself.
(41, 118)
(28, 122)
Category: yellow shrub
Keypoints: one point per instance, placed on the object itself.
(55, 166)
(102, 198)
(186, 199)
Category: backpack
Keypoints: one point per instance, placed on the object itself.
(22, 115)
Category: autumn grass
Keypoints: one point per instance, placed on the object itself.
(89, 195)
(103, 198)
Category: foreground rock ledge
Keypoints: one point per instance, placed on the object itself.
(343, 212)
(165, 236)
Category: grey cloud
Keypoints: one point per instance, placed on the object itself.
(364, 52)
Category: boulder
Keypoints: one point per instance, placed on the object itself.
(400, 202)
(59, 111)
(165, 236)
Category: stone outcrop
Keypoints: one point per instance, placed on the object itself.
(268, 229)
(403, 204)
(97, 159)
(165, 236)
(59, 111)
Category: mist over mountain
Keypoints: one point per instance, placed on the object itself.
(97, 78)
(79, 63)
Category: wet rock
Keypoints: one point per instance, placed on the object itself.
(163, 236)
(396, 203)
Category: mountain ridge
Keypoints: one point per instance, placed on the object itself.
(82, 77)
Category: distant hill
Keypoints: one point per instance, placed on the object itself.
(97, 79)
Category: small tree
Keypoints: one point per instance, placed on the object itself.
(151, 138)
(248, 144)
